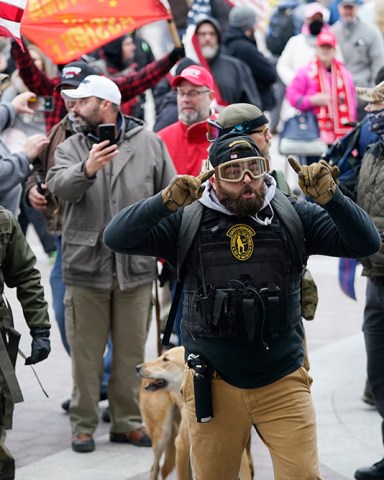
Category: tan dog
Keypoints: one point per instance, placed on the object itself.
(161, 406)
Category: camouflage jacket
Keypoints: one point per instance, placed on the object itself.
(18, 271)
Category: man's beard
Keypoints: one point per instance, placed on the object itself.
(209, 52)
(189, 118)
(237, 204)
(194, 116)
(81, 125)
(265, 153)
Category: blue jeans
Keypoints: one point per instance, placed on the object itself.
(58, 291)
(373, 328)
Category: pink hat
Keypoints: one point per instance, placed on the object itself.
(195, 74)
(312, 8)
(326, 38)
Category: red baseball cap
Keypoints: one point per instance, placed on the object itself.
(326, 38)
(196, 75)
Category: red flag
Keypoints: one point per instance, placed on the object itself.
(66, 29)
(11, 12)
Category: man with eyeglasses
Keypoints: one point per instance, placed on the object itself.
(186, 139)
(242, 118)
(240, 265)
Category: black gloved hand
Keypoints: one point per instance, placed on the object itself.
(177, 54)
(41, 345)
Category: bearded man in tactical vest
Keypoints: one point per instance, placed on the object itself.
(241, 326)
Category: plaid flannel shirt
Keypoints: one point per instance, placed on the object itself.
(130, 85)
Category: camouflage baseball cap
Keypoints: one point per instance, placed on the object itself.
(371, 94)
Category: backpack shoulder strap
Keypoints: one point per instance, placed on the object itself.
(281, 182)
(291, 220)
(190, 223)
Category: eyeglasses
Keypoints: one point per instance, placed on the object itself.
(206, 34)
(215, 130)
(235, 170)
(262, 130)
(190, 93)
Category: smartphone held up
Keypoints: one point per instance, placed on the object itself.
(41, 104)
(107, 132)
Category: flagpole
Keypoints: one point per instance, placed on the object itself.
(173, 30)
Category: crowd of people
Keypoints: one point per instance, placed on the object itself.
(108, 211)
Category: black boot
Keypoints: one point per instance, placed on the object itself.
(7, 464)
(376, 472)
(367, 394)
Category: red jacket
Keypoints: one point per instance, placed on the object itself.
(187, 146)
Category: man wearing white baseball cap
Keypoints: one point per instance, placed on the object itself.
(106, 294)
(95, 86)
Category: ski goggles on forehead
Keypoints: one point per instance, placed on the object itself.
(215, 130)
(235, 170)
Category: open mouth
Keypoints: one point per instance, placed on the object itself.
(155, 384)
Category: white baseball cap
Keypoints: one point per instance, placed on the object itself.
(95, 86)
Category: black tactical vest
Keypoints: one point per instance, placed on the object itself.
(241, 281)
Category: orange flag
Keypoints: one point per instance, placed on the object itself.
(67, 29)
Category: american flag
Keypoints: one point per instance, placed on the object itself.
(11, 12)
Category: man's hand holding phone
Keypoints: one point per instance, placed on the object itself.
(21, 102)
(41, 104)
(101, 153)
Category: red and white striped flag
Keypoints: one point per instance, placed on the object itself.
(11, 13)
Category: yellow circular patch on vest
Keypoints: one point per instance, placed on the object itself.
(241, 241)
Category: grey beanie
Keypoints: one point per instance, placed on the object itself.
(242, 17)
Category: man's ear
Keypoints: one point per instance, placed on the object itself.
(105, 105)
(213, 182)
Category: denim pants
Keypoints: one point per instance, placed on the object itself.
(58, 291)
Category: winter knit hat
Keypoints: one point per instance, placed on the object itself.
(242, 17)
(221, 150)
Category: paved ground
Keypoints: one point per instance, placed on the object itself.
(348, 430)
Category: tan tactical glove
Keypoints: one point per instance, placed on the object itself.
(184, 189)
(315, 180)
(335, 171)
